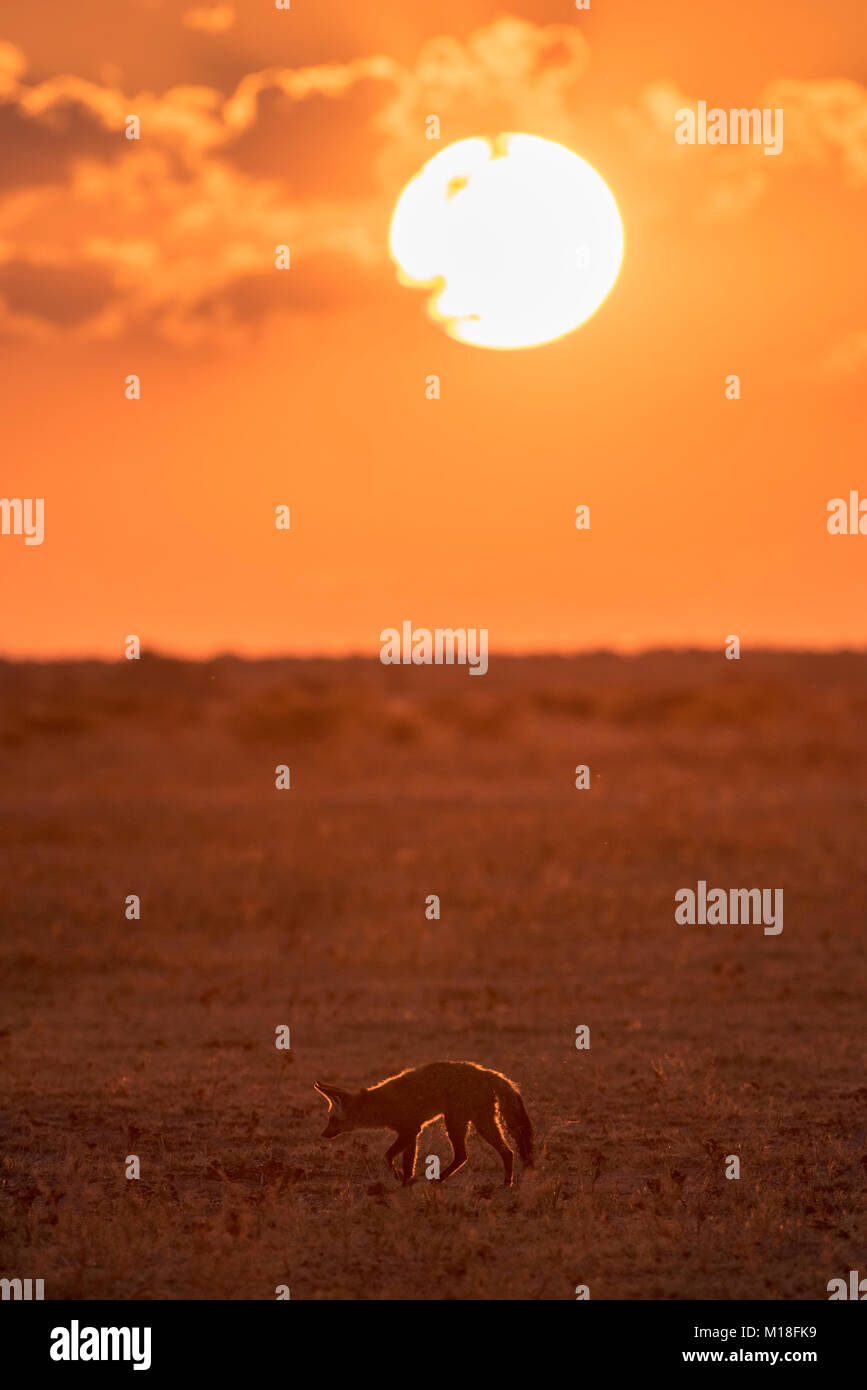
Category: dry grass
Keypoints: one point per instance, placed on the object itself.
(307, 908)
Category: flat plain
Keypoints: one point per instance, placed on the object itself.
(306, 907)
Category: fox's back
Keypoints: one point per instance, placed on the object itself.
(430, 1090)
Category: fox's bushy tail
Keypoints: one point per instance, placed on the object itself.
(517, 1120)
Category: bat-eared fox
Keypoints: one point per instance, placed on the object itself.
(461, 1092)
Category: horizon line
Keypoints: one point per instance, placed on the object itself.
(352, 654)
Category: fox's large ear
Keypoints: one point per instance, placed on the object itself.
(333, 1094)
(329, 1092)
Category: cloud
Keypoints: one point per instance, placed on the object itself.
(13, 65)
(824, 126)
(210, 19)
(317, 143)
(321, 282)
(175, 233)
(178, 229)
(43, 148)
(35, 296)
(510, 75)
(825, 123)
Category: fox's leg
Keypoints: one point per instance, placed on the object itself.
(457, 1132)
(409, 1157)
(392, 1152)
(489, 1129)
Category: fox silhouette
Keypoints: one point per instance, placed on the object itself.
(461, 1092)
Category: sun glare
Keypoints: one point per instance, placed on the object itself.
(521, 238)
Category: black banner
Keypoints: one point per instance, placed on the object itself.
(167, 1339)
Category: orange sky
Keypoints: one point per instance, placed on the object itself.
(306, 387)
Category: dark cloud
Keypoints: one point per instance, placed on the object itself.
(38, 150)
(324, 281)
(59, 295)
(321, 146)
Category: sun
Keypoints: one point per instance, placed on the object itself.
(520, 236)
